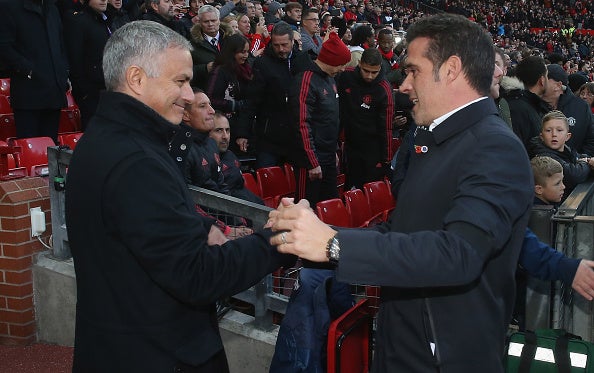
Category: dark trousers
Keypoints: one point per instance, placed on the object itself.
(37, 123)
(316, 190)
(360, 171)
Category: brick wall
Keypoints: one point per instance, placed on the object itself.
(17, 248)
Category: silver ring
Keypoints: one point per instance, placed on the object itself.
(283, 238)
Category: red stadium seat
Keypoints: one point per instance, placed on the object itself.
(5, 107)
(8, 166)
(33, 154)
(340, 181)
(379, 198)
(5, 86)
(7, 126)
(359, 210)
(333, 212)
(273, 184)
(70, 116)
(290, 175)
(250, 183)
(396, 142)
(349, 340)
(70, 139)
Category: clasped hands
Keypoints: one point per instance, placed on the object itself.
(300, 232)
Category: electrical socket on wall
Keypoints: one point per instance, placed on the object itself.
(37, 221)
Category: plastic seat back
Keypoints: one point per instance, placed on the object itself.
(358, 208)
(33, 154)
(5, 86)
(349, 336)
(7, 126)
(273, 184)
(5, 107)
(70, 139)
(333, 212)
(379, 198)
(290, 175)
(250, 183)
(70, 116)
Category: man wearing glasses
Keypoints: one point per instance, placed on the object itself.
(310, 32)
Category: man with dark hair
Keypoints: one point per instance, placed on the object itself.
(385, 41)
(292, 16)
(32, 49)
(149, 269)
(273, 73)
(162, 11)
(366, 111)
(230, 166)
(526, 105)
(446, 260)
(310, 32)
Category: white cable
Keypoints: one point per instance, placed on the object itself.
(43, 243)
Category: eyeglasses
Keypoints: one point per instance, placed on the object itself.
(312, 19)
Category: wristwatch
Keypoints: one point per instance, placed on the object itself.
(333, 249)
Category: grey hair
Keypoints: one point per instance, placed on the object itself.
(139, 43)
(208, 9)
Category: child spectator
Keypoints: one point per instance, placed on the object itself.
(551, 142)
(548, 181)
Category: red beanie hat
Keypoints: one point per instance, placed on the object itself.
(334, 52)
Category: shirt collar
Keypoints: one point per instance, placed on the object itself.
(441, 119)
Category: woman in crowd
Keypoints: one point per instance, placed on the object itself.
(586, 93)
(258, 39)
(229, 87)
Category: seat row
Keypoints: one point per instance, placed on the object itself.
(361, 208)
(69, 116)
(271, 183)
(28, 157)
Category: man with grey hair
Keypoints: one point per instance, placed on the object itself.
(207, 38)
(162, 11)
(148, 267)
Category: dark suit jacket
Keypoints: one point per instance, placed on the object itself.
(446, 262)
(31, 41)
(146, 278)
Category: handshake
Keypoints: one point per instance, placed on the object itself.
(299, 231)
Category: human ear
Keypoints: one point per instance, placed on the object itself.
(135, 79)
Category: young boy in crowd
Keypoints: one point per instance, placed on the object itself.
(551, 142)
(548, 181)
(538, 259)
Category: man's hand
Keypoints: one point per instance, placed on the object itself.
(242, 143)
(301, 232)
(583, 282)
(315, 173)
(209, 66)
(215, 236)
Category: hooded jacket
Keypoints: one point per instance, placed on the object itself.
(526, 110)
